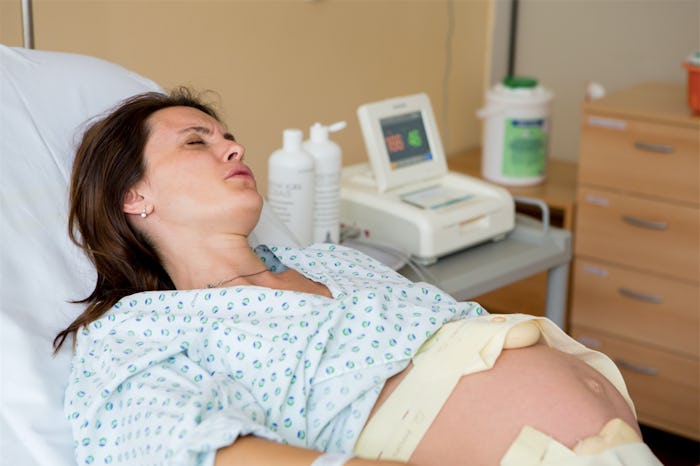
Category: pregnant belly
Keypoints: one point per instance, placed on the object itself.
(538, 386)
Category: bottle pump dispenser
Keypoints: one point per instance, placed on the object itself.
(328, 163)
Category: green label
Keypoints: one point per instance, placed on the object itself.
(525, 147)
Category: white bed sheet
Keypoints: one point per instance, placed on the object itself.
(45, 98)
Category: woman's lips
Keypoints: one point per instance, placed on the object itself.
(240, 171)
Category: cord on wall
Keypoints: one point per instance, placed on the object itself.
(447, 71)
(512, 38)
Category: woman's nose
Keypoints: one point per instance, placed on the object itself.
(235, 151)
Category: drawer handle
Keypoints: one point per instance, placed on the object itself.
(647, 298)
(650, 224)
(646, 370)
(660, 148)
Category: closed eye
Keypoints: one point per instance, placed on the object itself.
(195, 141)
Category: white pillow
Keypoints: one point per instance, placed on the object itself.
(45, 99)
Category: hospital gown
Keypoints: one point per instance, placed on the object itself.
(168, 377)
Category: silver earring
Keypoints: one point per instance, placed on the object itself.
(143, 213)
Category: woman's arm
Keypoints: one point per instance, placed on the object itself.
(255, 451)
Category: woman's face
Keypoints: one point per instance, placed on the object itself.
(195, 175)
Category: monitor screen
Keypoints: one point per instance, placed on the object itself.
(406, 139)
(402, 139)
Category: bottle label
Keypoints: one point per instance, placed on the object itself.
(293, 203)
(524, 147)
(327, 208)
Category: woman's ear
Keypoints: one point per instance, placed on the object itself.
(134, 203)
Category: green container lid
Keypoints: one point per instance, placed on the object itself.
(519, 82)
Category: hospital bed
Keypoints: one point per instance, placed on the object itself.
(45, 100)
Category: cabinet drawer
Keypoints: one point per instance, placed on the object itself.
(655, 159)
(663, 386)
(646, 308)
(650, 235)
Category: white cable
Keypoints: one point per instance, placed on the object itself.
(423, 274)
(422, 271)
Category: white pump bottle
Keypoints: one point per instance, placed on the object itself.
(290, 188)
(328, 162)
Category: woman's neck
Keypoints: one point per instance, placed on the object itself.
(212, 263)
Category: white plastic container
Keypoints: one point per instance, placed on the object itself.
(515, 138)
(328, 159)
(290, 188)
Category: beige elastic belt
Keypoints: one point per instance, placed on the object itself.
(407, 414)
(459, 348)
(616, 445)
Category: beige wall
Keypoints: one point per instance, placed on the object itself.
(279, 64)
(10, 22)
(289, 63)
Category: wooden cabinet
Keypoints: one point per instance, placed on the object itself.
(642, 233)
(635, 291)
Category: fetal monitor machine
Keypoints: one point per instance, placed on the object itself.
(405, 196)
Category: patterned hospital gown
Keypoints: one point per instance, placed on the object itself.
(167, 378)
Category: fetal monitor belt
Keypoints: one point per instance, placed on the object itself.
(459, 348)
(616, 445)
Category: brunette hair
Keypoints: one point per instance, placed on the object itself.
(108, 162)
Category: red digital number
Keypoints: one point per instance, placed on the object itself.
(394, 142)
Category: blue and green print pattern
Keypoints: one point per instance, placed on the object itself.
(167, 378)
